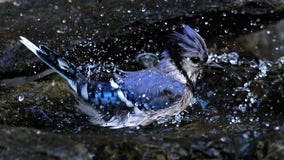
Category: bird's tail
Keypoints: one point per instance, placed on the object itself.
(54, 61)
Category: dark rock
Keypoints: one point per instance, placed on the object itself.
(242, 113)
(26, 143)
(62, 24)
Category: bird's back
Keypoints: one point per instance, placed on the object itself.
(153, 88)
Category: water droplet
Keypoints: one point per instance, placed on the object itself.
(263, 69)
(17, 4)
(268, 32)
(236, 120)
(59, 31)
(143, 9)
(266, 124)
(252, 100)
(245, 135)
(223, 139)
(276, 128)
(21, 98)
(53, 84)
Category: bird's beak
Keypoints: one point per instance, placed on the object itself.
(213, 65)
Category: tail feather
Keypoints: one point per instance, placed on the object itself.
(58, 64)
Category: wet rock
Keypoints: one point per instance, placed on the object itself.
(26, 143)
(13, 65)
(48, 105)
(139, 25)
(240, 115)
(265, 44)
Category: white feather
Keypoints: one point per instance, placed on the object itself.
(124, 99)
(113, 84)
(73, 85)
(62, 63)
(137, 110)
(84, 91)
(29, 44)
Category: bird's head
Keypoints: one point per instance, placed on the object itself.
(188, 51)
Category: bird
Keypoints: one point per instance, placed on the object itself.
(135, 98)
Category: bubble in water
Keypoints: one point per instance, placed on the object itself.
(143, 9)
(21, 98)
(235, 120)
(281, 59)
(242, 107)
(233, 58)
(147, 59)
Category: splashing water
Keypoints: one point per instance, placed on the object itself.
(243, 90)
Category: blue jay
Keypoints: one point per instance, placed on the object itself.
(135, 98)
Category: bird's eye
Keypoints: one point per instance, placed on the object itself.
(195, 60)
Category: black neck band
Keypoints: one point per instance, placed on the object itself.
(176, 62)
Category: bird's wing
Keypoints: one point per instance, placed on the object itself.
(152, 88)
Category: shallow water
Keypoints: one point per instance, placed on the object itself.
(237, 112)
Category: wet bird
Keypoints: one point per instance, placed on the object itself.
(136, 98)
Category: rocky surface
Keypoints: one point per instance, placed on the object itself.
(240, 118)
(27, 143)
(63, 24)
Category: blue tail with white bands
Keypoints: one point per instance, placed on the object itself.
(58, 64)
(105, 95)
